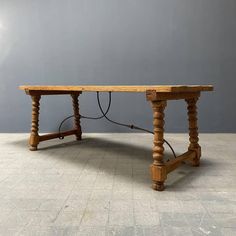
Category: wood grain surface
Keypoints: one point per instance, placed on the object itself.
(120, 88)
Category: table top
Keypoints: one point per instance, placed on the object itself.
(119, 88)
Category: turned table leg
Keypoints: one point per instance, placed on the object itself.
(34, 137)
(76, 116)
(193, 129)
(158, 168)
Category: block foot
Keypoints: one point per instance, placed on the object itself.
(32, 148)
(158, 185)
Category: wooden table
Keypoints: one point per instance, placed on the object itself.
(157, 95)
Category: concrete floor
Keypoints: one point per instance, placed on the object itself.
(101, 186)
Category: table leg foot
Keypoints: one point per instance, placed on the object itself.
(158, 185)
(33, 142)
(33, 148)
(196, 160)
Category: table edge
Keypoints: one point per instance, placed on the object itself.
(118, 88)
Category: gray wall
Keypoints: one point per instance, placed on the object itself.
(72, 42)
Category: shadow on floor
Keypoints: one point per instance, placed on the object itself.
(127, 151)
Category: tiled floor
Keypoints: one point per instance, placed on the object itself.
(101, 186)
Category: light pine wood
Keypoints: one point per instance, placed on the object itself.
(157, 95)
(34, 137)
(193, 129)
(119, 88)
(158, 170)
(152, 95)
(174, 163)
(57, 135)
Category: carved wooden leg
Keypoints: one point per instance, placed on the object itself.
(158, 168)
(34, 137)
(193, 129)
(77, 116)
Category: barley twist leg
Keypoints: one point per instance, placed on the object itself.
(76, 116)
(193, 129)
(34, 137)
(158, 169)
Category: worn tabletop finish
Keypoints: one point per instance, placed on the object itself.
(157, 95)
(120, 88)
